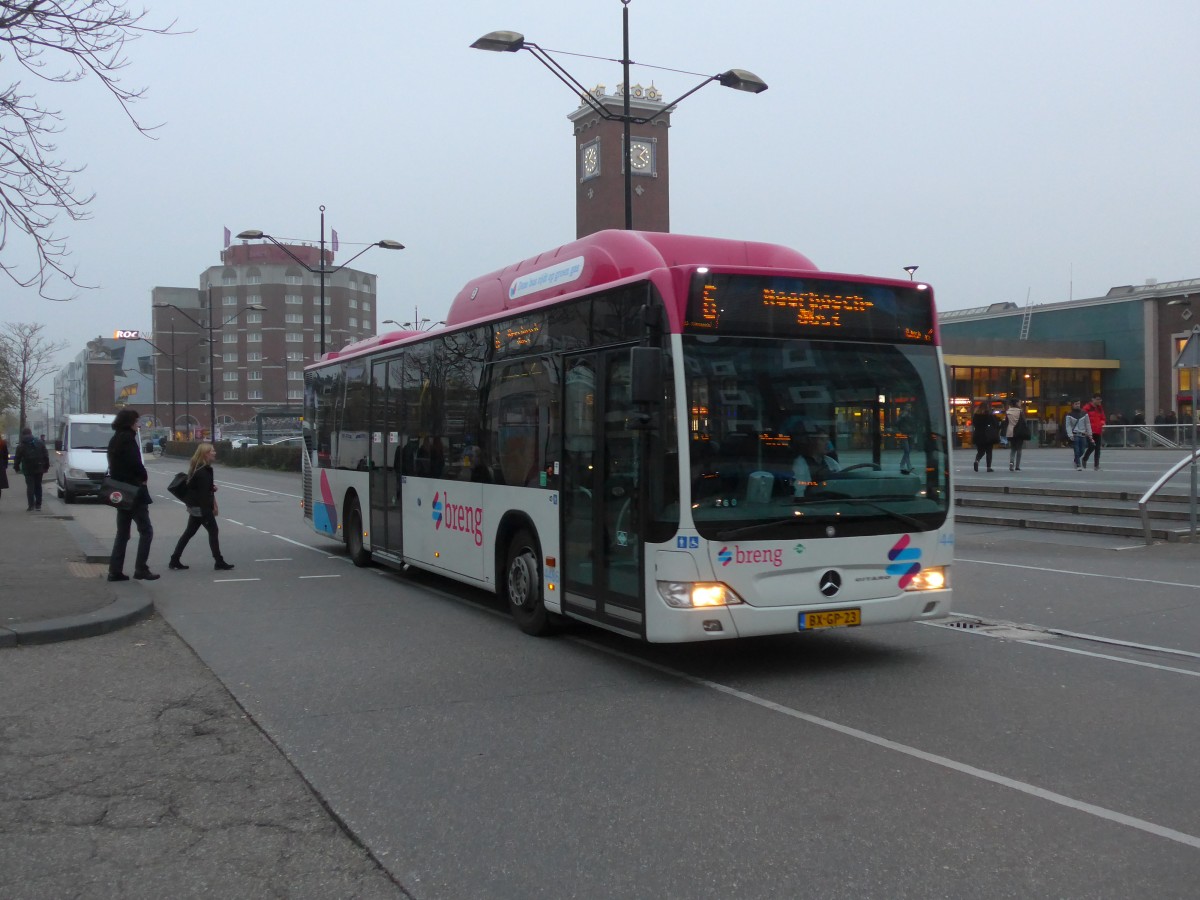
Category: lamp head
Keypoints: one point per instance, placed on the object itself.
(252, 234)
(501, 42)
(742, 80)
(390, 245)
(911, 270)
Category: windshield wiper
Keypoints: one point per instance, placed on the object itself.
(911, 521)
(760, 526)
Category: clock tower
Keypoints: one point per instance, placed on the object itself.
(600, 170)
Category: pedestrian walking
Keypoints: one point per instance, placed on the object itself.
(1079, 430)
(3, 464)
(32, 460)
(1095, 413)
(1139, 434)
(201, 502)
(1016, 429)
(125, 464)
(984, 433)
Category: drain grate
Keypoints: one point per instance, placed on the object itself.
(1008, 631)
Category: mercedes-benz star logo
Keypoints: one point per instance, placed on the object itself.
(831, 583)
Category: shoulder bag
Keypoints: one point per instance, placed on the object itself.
(118, 494)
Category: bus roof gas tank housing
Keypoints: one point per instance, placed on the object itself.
(603, 258)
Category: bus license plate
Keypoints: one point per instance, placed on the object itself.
(831, 618)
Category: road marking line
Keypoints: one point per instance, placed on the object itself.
(986, 562)
(231, 580)
(945, 762)
(319, 576)
(253, 490)
(1131, 662)
(275, 558)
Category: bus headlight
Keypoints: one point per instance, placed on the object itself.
(76, 473)
(697, 594)
(935, 578)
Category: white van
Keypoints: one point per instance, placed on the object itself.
(82, 452)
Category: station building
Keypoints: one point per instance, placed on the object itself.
(1122, 346)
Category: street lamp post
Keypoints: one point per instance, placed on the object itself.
(212, 387)
(173, 412)
(512, 41)
(417, 323)
(322, 270)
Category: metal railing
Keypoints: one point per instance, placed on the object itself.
(1143, 504)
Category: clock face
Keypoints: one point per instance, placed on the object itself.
(591, 159)
(641, 154)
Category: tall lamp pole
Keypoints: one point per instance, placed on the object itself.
(321, 270)
(512, 41)
(212, 387)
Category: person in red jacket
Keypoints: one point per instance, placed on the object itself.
(1095, 413)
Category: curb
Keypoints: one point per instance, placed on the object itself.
(90, 546)
(118, 614)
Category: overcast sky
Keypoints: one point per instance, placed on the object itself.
(1040, 148)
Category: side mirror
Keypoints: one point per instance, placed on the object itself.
(646, 375)
(58, 446)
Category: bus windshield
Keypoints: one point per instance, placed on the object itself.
(790, 438)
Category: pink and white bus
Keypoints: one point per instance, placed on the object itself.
(674, 438)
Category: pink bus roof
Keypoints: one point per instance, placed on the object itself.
(603, 258)
(606, 257)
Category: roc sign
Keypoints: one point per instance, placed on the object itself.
(127, 335)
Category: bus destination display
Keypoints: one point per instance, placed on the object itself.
(793, 307)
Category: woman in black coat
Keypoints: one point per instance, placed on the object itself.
(985, 432)
(201, 504)
(125, 464)
(3, 463)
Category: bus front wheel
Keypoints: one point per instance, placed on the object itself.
(359, 555)
(523, 586)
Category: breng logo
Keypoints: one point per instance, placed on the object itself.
(747, 557)
(456, 517)
(900, 555)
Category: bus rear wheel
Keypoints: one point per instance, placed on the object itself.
(523, 586)
(359, 555)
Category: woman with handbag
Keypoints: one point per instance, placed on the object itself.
(201, 505)
(125, 465)
(985, 432)
(1016, 429)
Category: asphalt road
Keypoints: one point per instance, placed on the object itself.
(968, 759)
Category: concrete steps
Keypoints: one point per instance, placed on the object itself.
(1088, 510)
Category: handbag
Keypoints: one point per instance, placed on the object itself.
(118, 493)
(178, 487)
(1021, 429)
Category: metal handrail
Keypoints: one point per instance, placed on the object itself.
(1188, 460)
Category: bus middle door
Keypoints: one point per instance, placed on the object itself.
(601, 548)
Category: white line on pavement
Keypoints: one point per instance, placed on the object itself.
(988, 562)
(982, 774)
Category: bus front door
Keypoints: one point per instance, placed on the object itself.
(601, 548)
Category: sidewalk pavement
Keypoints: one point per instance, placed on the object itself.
(52, 575)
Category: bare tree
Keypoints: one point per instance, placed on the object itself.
(28, 358)
(60, 41)
(8, 396)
